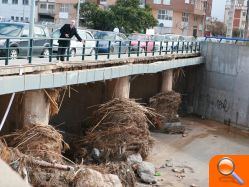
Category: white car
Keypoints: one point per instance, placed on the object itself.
(76, 47)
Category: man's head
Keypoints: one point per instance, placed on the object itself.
(72, 24)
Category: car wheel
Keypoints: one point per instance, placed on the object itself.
(13, 53)
(73, 52)
(45, 53)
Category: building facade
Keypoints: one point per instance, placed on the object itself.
(235, 17)
(184, 17)
(15, 10)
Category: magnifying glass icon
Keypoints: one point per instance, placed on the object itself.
(226, 167)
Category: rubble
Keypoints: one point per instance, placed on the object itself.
(134, 159)
(146, 171)
(166, 104)
(174, 128)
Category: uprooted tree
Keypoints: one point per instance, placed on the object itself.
(126, 15)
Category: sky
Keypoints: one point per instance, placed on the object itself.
(218, 9)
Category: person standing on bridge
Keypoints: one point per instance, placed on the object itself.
(67, 32)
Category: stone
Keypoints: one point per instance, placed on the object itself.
(146, 172)
(146, 167)
(194, 185)
(169, 163)
(134, 159)
(147, 178)
(178, 170)
(95, 154)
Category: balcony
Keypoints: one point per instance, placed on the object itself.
(44, 11)
(199, 12)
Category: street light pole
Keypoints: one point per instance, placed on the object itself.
(247, 17)
(32, 18)
(78, 13)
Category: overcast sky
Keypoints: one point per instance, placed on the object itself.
(218, 9)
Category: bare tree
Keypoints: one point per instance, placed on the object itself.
(181, 27)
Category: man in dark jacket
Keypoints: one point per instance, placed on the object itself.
(67, 32)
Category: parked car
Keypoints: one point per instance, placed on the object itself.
(143, 38)
(19, 44)
(115, 38)
(76, 47)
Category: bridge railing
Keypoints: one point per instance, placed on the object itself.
(220, 39)
(44, 50)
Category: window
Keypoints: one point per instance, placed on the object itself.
(64, 7)
(102, 1)
(14, 2)
(187, 1)
(165, 14)
(43, 6)
(12, 18)
(26, 19)
(21, 18)
(166, 2)
(88, 36)
(195, 18)
(244, 14)
(51, 7)
(25, 2)
(157, 1)
(185, 17)
(4, 1)
(39, 32)
(17, 18)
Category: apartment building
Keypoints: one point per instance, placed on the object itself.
(15, 10)
(235, 16)
(185, 17)
(45, 10)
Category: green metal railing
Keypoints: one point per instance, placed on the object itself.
(29, 50)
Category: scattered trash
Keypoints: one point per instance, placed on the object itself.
(176, 170)
(169, 163)
(194, 185)
(146, 171)
(184, 135)
(157, 174)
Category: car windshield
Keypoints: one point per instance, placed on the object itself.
(105, 36)
(12, 30)
(137, 37)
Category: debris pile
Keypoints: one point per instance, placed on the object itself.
(121, 128)
(38, 141)
(166, 104)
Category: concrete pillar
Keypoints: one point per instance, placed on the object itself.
(167, 80)
(35, 108)
(118, 88)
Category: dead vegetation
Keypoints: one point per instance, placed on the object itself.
(167, 105)
(121, 128)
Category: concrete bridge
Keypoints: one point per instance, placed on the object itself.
(210, 85)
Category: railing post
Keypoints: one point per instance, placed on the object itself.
(109, 49)
(195, 46)
(167, 45)
(8, 51)
(138, 48)
(154, 47)
(68, 53)
(119, 49)
(191, 50)
(83, 51)
(129, 49)
(187, 47)
(97, 51)
(50, 49)
(183, 46)
(146, 47)
(199, 44)
(178, 43)
(172, 47)
(161, 44)
(30, 50)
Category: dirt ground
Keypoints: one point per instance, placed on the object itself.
(192, 153)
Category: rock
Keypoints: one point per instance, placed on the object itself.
(146, 172)
(184, 134)
(95, 154)
(134, 159)
(91, 178)
(194, 185)
(178, 170)
(174, 128)
(146, 167)
(169, 163)
(147, 178)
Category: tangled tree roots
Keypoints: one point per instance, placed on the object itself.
(41, 141)
(167, 105)
(121, 129)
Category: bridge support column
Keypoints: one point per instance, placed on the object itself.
(118, 88)
(35, 108)
(167, 80)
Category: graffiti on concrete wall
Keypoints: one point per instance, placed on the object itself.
(222, 104)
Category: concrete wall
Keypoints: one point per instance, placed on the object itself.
(224, 85)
